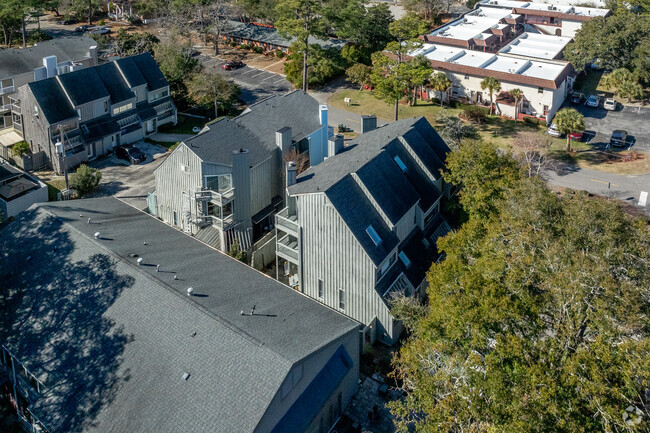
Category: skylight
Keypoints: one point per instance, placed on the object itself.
(404, 259)
(373, 235)
(399, 162)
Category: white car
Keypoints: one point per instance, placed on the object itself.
(553, 131)
(610, 104)
(593, 101)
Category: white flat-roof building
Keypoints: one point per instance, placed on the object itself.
(537, 45)
(545, 83)
(484, 29)
(548, 18)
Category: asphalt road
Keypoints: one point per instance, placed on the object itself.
(255, 83)
(600, 123)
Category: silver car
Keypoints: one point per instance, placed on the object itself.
(593, 101)
(553, 131)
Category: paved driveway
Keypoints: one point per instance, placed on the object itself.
(255, 83)
(600, 123)
(130, 183)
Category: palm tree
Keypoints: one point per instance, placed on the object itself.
(569, 120)
(518, 95)
(440, 83)
(492, 85)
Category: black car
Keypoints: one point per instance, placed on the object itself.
(83, 28)
(68, 21)
(577, 98)
(130, 153)
(619, 138)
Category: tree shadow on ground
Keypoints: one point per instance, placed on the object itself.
(54, 302)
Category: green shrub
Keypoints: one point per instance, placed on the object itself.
(245, 47)
(532, 120)
(101, 22)
(21, 148)
(85, 179)
(279, 54)
(258, 50)
(233, 44)
(37, 36)
(475, 114)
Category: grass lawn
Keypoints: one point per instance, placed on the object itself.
(184, 125)
(166, 144)
(54, 186)
(591, 83)
(500, 131)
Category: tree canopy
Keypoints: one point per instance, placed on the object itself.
(538, 317)
(612, 41)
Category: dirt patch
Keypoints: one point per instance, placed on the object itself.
(624, 162)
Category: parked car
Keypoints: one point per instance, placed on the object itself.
(100, 31)
(593, 101)
(130, 153)
(577, 97)
(83, 28)
(553, 131)
(232, 64)
(576, 136)
(618, 138)
(68, 21)
(609, 104)
(596, 66)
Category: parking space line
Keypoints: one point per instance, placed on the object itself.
(600, 181)
(261, 73)
(269, 77)
(281, 79)
(249, 70)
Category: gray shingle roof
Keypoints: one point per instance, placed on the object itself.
(84, 85)
(53, 102)
(142, 69)
(110, 339)
(19, 61)
(270, 35)
(255, 128)
(371, 158)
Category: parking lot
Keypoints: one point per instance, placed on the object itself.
(600, 123)
(255, 84)
(127, 182)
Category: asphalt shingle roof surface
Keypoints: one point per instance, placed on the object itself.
(370, 157)
(142, 69)
(53, 102)
(255, 129)
(111, 339)
(83, 86)
(19, 61)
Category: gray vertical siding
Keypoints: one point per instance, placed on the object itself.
(332, 253)
(263, 184)
(174, 186)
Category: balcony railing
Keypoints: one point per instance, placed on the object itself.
(5, 90)
(288, 248)
(220, 199)
(16, 108)
(287, 223)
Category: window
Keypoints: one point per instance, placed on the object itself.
(320, 289)
(220, 183)
(404, 259)
(466, 77)
(342, 299)
(122, 109)
(78, 114)
(105, 106)
(159, 95)
(400, 163)
(373, 235)
(175, 219)
(540, 90)
(545, 110)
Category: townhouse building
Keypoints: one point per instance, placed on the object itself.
(123, 324)
(226, 182)
(94, 109)
(361, 227)
(548, 18)
(545, 83)
(18, 191)
(45, 59)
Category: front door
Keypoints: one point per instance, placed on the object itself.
(91, 151)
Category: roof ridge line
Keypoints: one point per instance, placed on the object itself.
(170, 289)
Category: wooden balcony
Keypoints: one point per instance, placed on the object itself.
(287, 223)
